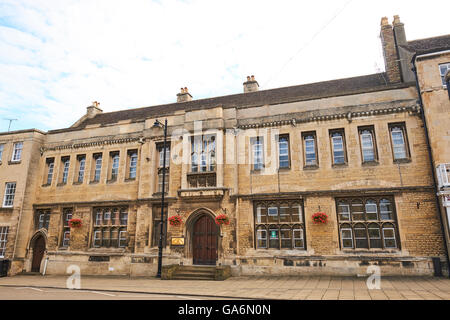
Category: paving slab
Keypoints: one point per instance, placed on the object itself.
(258, 287)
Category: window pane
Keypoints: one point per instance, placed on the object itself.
(286, 238)
(261, 238)
(371, 210)
(283, 145)
(367, 146)
(272, 214)
(298, 238)
(398, 142)
(296, 213)
(361, 237)
(261, 214)
(357, 210)
(385, 210)
(274, 238)
(284, 213)
(344, 211)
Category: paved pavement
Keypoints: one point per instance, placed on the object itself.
(35, 293)
(255, 287)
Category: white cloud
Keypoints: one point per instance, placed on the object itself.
(58, 56)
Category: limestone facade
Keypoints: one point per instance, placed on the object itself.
(354, 149)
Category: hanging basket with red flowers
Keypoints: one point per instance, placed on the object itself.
(175, 220)
(222, 219)
(320, 218)
(75, 223)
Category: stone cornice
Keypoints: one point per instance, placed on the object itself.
(413, 109)
(91, 144)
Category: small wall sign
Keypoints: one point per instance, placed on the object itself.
(177, 241)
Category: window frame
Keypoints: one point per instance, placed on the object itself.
(288, 148)
(96, 167)
(204, 148)
(81, 169)
(17, 152)
(447, 64)
(265, 225)
(367, 224)
(114, 160)
(332, 133)
(67, 215)
(260, 165)
(8, 196)
(4, 231)
(104, 229)
(306, 135)
(371, 131)
(159, 169)
(132, 164)
(156, 225)
(402, 127)
(43, 223)
(2, 150)
(64, 170)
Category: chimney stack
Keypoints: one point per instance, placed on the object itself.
(251, 84)
(390, 51)
(184, 95)
(94, 109)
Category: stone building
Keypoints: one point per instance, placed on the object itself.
(355, 149)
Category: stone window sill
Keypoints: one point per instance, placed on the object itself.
(94, 182)
(370, 163)
(339, 165)
(14, 162)
(61, 184)
(46, 185)
(130, 179)
(311, 167)
(370, 251)
(111, 180)
(406, 160)
(77, 183)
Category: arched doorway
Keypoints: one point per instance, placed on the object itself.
(38, 253)
(205, 241)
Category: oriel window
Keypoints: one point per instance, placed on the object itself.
(203, 153)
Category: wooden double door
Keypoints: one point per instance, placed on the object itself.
(205, 240)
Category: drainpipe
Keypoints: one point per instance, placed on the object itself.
(430, 154)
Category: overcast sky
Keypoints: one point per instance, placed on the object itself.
(57, 56)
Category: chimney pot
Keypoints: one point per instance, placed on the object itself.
(384, 21)
(184, 95)
(396, 19)
(251, 84)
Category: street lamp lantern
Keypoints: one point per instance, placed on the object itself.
(158, 124)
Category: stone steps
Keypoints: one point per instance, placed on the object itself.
(194, 273)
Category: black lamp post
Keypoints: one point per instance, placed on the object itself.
(158, 124)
